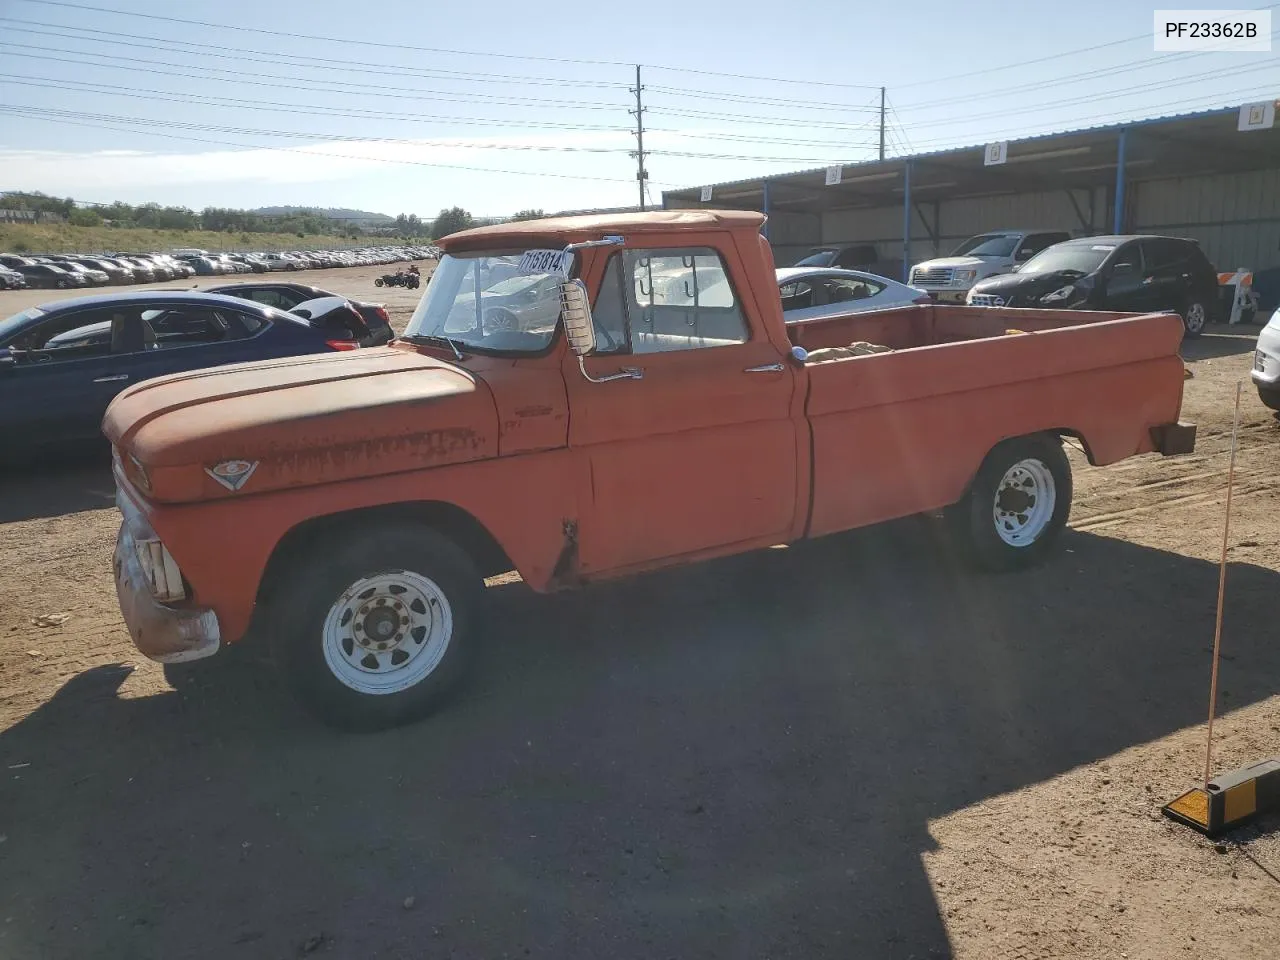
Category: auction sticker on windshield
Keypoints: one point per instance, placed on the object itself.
(546, 261)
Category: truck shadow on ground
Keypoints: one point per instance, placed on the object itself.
(1221, 340)
(56, 485)
(734, 760)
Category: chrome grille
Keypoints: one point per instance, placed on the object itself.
(985, 300)
(932, 276)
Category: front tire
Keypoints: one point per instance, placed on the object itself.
(1016, 506)
(372, 632)
(377, 281)
(1195, 314)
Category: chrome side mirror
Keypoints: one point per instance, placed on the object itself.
(580, 331)
(575, 311)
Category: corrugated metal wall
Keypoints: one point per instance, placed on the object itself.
(1236, 217)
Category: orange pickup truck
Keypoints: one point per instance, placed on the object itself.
(583, 398)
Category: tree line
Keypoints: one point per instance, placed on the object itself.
(230, 220)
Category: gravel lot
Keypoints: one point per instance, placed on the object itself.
(850, 748)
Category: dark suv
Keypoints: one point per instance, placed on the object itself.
(1129, 274)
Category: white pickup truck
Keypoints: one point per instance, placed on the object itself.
(949, 278)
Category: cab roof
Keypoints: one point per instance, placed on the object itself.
(594, 226)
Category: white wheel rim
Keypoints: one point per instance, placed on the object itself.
(387, 633)
(1024, 503)
(1195, 316)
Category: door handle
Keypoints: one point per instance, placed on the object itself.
(118, 377)
(766, 368)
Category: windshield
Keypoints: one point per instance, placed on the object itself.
(1068, 257)
(988, 245)
(485, 301)
(19, 320)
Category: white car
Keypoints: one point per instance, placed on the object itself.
(809, 293)
(1266, 363)
(949, 278)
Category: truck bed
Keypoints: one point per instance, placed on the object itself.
(957, 381)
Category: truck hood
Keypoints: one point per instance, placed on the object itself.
(254, 427)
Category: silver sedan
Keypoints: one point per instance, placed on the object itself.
(810, 293)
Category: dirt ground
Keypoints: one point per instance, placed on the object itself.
(850, 748)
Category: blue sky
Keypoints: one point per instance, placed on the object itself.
(101, 105)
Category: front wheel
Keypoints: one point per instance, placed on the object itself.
(372, 632)
(1017, 505)
(377, 282)
(1195, 314)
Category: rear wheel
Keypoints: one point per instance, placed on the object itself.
(1195, 314)
(1017, 505)
(1270, 398)
(372, 632)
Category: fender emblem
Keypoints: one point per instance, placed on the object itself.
(232, 474)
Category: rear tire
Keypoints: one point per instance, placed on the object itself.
(1195, 314)
(1016, 506)
(371, 629)
(1270, 398)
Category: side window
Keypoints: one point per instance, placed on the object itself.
(856, 257)
(610, 312)
(169, 327)
(1164, 254)
(1127, 260)
(274, 298)
(845, 289)
(1037, 242)
(75, 337)
(796, 295)
(680, 299)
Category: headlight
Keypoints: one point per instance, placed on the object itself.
(964, 276)
(1062, 293)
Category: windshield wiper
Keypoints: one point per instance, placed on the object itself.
(429, 338)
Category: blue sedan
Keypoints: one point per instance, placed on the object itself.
(62, 363)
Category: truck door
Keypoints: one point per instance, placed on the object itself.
(700, 451)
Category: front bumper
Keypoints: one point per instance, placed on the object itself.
(1266, 359)
(164, 633)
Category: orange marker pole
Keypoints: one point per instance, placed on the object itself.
(1222, 586)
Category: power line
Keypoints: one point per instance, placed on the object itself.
(118, 39)
(1020, 63)
(32, 112)
(272, 80)
(769, 121)
(337, 156)
(768, 101)
(1092, 98)
(146, 93)
(311, 36)
(420, 49)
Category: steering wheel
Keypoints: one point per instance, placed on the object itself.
(498, 320)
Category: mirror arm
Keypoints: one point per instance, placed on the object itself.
(626, 373)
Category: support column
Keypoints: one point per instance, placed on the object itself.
(1118, 220)
(764, 206)
(906, 222)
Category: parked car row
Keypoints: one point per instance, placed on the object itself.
(66, 272)
(61, 363)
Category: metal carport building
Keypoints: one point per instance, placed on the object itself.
(1195, 175)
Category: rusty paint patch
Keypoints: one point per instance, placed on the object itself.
(429, 445)
(533, 411)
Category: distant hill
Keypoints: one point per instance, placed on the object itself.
(333, 213)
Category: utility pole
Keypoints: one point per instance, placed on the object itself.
(882, 123)
(641, 174)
